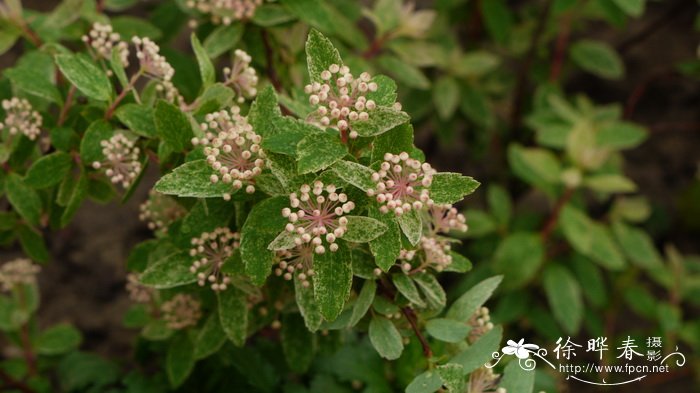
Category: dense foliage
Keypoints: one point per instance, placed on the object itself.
(301, 242)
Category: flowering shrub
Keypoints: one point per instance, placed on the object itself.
(299, 240)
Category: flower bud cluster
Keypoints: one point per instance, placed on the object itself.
(298, 260)
(103, 40)
(402, 183)
(210, 251)
(340, 98)
(121, 162)
(484, 380)
(225, 11)
(159, 211)
(156, 67)
(316, 216)
(181, 311)
(232, 149)
(20, 117)
(432, 251)
(241, 77)
(138, 292)
(481, 324)
(17, 272)
(446, 218)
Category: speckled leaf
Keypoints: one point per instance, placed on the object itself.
(23, 198)
(386, 248)
(381, 120)
(192, 179)
(206, 68)
(48, 170)
(363, 229)
(308, 306)
(407, 288)
(172, 126)
(467, 304)
(411, 225)
(85, 75)
(453, 377)
(320, 54)
(332, 280)
(262, 226)
(283, 241)
(169, 271)
(319, 151)
(138, 118)
(447, 330)
(432, 290)
(356, 174)
(233, 314)
(451, 187)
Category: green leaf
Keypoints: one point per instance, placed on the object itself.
(637, 246)
(536, 166)
(385, 95)
(405, 73)
(129, 26)
(297, 343)
(265, 113)
(233, 314)
(85, 75)
(446, 96)
(117, 66)
(621, 135)
(634, 8)
(447, 330)
(90, 145)
(460, 263)
(172, 126)
(477, 354)
(23, 199)
(356, 174)
(363, 229)
(206, 68)
(432, 290)
(169, 271)
(320, 54)
(453, 377)
(467, 304)
(308, 306)
(268, 15)
(411, 225)
(138, 118)
(32, 243)
(395, 141)
(610, 183)
(476, 63)
(590, 238)
(385, 338)
(34, 82)
(192, 179)
(475, 105)
(517, 379)
(597, 58)
(286, 142)
(407, 288)
(427, 382)
(210, 338)
(77, 197)
(498, 19)
(564, 296)
(500, 204)
(284, 241)
(48, 170)
(264, 223)
(363, 302)
(332, 280)
(222, 39)
(449, 188)
(381, 120)
(179, 361)
(318, 152)
(387, 247)
(58, 340)
(519, 257)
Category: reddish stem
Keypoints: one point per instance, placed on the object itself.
(66, 107)
(560, 48)
(412, 320)
(11, 383)
(376, 47)
(551, 222)
(110, 111)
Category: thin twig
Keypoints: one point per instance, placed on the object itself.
(10, 383)
(66, 107)
(411, 317)
(375, 47)
(521, 84)
(551, 222)
(110, 111)
(560, 48)
(648, 31)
